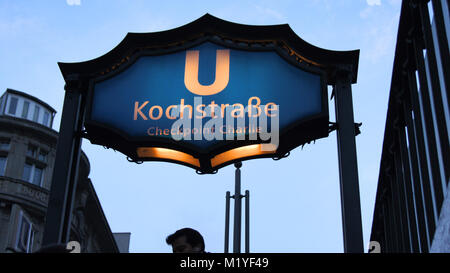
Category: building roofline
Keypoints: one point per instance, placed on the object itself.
(28, 96)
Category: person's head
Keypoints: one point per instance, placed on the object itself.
(186, 240)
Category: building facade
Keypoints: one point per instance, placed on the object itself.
(27, 154)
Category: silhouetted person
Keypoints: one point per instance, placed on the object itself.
(186, 240)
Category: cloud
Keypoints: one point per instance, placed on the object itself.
(73, 2)
(368, 10)
(373, 2)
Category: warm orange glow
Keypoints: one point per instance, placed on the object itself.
(165, 153)
(241, 152)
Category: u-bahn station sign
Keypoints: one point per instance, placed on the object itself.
(208, 94)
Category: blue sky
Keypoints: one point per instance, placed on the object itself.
(295, 202)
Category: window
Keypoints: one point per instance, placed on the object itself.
(33, 170)
(36, 113)
(33, 174)
(27, 172)
(25, 235)
(37, 175)
(36, 153)
(42, 156)
(4, 144)
(26, 105)
(46, 118)
(32, 151)
(2, 165)
(13, 105)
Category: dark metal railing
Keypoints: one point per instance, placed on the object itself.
(415, 164)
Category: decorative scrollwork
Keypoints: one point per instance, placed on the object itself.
(134, 161)
(202, 173)
(276, 158)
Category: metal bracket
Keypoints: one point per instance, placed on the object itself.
(335, 126)
(309, 142)
(241, 196)
(332, 126)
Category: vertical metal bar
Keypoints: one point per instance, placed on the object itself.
(385, 246)
(392, 237)
(391, 221)
(400, 196)
(442, 39)
(402, 199)
(436, 91)
(64, 179)
(422, 190)
(431, 138)
(408, 192)
(348, 168)
(237, 210)
(394, 210)
(247, 221)
(227, 221)
(415, 181)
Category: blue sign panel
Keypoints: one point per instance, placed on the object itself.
(209, 93)
(200, 82)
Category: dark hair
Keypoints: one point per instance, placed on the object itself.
(193, 237)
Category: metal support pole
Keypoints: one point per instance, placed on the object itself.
(247, 221)
(64, 179)
(237, 210)
(348, 168)
(227, 221)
